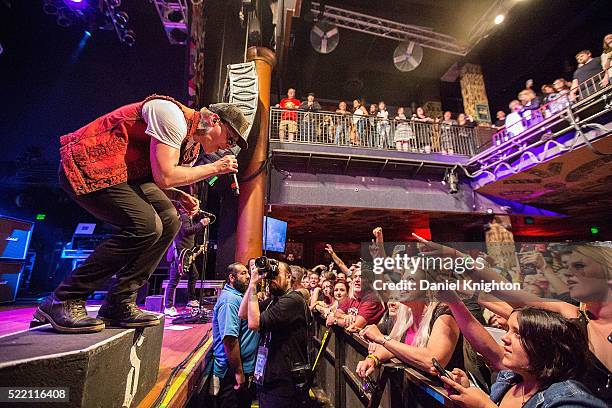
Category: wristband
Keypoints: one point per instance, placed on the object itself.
(375, 359)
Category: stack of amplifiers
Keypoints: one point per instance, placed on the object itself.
(15, 238)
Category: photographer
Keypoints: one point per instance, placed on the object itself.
(282, 362)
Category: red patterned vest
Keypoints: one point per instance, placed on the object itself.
(114, 148)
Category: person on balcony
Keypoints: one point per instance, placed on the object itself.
(371, 130)
(585, 79)
(530, 112)
(423, 130)
(501, 120)
(359, 112)
(404, 138)
(606, 57)
(288, 119)
(309, 120)
(446, 133)
(383, 128)
(514, 120)
(465, 139)
(342, 124)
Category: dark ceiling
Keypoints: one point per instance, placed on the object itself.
(537, 40)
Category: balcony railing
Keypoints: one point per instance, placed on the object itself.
(347, 130)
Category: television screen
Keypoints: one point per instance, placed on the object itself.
(274, 234)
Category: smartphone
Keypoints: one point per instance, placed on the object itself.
(440, 369)
(527, 268)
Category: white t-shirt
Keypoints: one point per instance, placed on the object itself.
(514, 124)
(165, 122)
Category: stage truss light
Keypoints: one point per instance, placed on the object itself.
(499, 19)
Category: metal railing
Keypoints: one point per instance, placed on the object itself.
(348, 130)
(528, 118)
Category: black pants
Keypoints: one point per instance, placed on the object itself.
(175, 278)
(228, 397)
(148, 223)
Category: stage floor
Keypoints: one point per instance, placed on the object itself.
(177, 344)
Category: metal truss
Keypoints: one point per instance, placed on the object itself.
(174, 15)
(380, 27)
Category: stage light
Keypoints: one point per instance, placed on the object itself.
(594, 230)
(489, 211)
(121, 17)
(529, 220)
(76, 1)
(87, 33)
(499, 19)
(41, 217)
(129, 38)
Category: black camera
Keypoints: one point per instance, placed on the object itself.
(268, 267)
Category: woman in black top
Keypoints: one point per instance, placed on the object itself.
(589, 274)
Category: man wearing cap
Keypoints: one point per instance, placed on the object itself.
(122, 168)
(309, 121)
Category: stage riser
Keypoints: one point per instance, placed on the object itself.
(101, 374)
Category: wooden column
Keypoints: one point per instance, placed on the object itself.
(474, 93)
(252, 193)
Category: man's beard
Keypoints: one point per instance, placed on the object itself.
(239, 286)
(276, 290)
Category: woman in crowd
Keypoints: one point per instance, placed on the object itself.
(372, 113)
(588, 273)
(429, 331)
(423, 131)
(323, 295)
(532, 373)
(359, 112)
(404, 138)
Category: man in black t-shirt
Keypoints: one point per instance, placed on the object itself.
(282, 322)
(588, 67)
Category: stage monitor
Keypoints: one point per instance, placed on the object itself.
(15, 238)
(274, 234)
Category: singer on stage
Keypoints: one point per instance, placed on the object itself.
(122, 168)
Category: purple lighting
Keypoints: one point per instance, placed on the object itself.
(76, 1)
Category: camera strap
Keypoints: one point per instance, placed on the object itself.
(262, 357)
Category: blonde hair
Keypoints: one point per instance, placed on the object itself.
(405, 319)
(600, 254)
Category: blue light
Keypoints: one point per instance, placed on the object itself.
(87, 33)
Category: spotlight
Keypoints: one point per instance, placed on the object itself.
(489, 211)
(129, 38)
(122, 18)
(63, 20)
(50, 8)
(499, 19)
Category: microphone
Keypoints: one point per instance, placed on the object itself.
(234, 184)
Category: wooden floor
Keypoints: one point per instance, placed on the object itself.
(176, 346)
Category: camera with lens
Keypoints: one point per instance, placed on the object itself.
(268, 268)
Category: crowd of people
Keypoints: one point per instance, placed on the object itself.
(374, 127)
(565, 297)
(592, 74)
